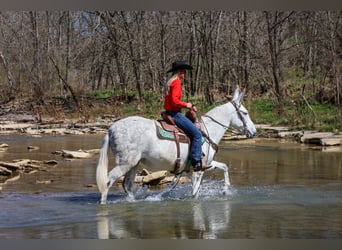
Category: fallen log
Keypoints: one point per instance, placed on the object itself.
(158, 178)
(154, 176)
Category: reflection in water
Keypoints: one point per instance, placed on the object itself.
(253, 212)
(187, 220)
(103, 225)
(211, 221)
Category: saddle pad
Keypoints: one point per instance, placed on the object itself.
(170, 135)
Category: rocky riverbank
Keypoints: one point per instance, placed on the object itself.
(14, 120)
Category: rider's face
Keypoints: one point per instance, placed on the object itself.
(181, 74)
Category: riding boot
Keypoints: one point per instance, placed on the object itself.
(201, 165)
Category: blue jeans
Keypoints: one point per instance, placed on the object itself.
(192, 131)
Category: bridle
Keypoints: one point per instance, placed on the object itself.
(237, 109)
(206, 135)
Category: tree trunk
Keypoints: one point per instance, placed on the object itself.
(9, 76)
(273, 39)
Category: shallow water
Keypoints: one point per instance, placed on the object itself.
(280, 189)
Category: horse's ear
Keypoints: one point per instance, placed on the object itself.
(239, 99)
(236, 94)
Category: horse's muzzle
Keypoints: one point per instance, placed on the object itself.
(250, 134)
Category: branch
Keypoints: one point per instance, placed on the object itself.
(66, 85)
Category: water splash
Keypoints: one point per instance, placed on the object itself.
(210, 189)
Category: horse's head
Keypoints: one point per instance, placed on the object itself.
(241, 120)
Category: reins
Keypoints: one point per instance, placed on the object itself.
(206, 135)
(214, 120)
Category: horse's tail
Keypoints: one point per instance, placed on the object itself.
(102, 166)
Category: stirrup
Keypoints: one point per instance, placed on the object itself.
(200, 167)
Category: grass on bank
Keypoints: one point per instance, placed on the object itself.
(297, 115)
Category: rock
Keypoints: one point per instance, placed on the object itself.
(29, 167)
(233, 137)
(26, 166)
(44, 182)
(16, 126)
(32, 172)
(79, 154)
(286, 134)
(322, 138)
(58, 152)
(92, 151)
(50, 162)
(11, 166)
(269, 127)
(23, 162)
(76, 154)
(331, 141)
(15, 178)
(3, 147)
(5, 171)
(91, 185)
(312, 137)
(32, 148)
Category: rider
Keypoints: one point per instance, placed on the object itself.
(173, 104)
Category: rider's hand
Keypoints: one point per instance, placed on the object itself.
(191, 107)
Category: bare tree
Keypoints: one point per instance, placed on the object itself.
(276, 34)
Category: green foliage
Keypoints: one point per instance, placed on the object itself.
(102, 94)
(106, 94)
(297, 114)
(263, 110)
(152, 104)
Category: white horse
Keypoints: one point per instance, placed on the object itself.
(134, 140)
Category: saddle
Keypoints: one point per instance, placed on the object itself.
(168, 130)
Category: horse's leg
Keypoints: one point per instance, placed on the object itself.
(104, 196)
(171, 186)
(224, 168)
(113, 176)
(128, 182)
(196, 182)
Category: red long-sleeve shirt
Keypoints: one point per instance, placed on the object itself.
(173, 99)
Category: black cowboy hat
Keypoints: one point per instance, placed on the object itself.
(179, 65)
